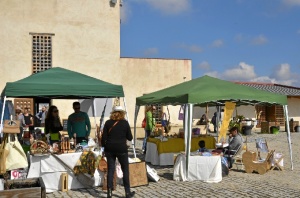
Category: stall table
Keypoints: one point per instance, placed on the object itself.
(205, 168)
(162, 152)
(50, 169)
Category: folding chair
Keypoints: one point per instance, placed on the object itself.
(234, 157)
(277, 161)
(261, 146)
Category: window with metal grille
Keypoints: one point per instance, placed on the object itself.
(41, 51)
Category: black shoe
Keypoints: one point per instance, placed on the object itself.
(144, 152)
(109, 193)
(130, 194)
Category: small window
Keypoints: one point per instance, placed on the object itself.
(41, 52)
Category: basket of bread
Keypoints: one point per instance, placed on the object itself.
(39, 147)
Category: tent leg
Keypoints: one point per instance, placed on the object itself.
(94, 114)
(288, 134)
(187, 132)
(2, 115)
(132, 142)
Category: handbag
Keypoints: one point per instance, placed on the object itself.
(11, 126)
(119, 171)
(3, 155)
(16, 157)
(102, 166)
(181, 113)
(164, 121)
(144, 123)
(152, 174)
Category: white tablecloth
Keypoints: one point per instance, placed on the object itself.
(205, 168)
(50, 170)
(154, 158)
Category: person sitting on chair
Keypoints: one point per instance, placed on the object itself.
(202, 148)
(235, 142)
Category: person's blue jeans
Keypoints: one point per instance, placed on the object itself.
(147, 134)
(111, 163)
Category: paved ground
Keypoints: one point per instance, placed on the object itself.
(238, 184)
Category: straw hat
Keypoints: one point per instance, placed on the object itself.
(117, 108)
(18, 108)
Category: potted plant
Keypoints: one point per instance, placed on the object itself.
(236, 122)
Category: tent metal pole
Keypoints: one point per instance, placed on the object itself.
(218, 120)
(136, 112)
(94, 114)
(288, 134)
(188, 114)
(127, 117)
(2, 115)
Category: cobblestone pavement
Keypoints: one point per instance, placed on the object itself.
(237, 184)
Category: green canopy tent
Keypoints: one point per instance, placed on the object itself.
(60, 83)
(209, 91)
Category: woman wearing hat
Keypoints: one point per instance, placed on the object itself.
(116, 132)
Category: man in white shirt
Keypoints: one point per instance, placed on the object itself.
(41, 116)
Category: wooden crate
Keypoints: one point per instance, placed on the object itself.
(292, 125)
(265, 126)
(32, 192)
(138, 174)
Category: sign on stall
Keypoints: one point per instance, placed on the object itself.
(18, 174)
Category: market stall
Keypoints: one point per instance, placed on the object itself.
(209, 91)
(50, 169)
(205, 168)
(59, 83)
(162, 152)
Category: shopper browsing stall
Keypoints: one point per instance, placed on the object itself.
(116, 132)
(150, 125)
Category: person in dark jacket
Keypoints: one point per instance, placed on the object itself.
(53, 124)
(116, 132)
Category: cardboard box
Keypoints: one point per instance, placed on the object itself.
(138, 174)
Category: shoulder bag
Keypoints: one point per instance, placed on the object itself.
(102, 165)
(181, 113)
(16, 157)
(110, 130)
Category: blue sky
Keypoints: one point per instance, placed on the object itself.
(238, 40)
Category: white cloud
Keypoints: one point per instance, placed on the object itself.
(241, 72)
(245, 72)
(151, 51)
(259, 40)
(217, 43)
(267, 79)
(204, 65)
(191, 48)
(291, 2)
(170, 6)
(213, 74)
(282, 72)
